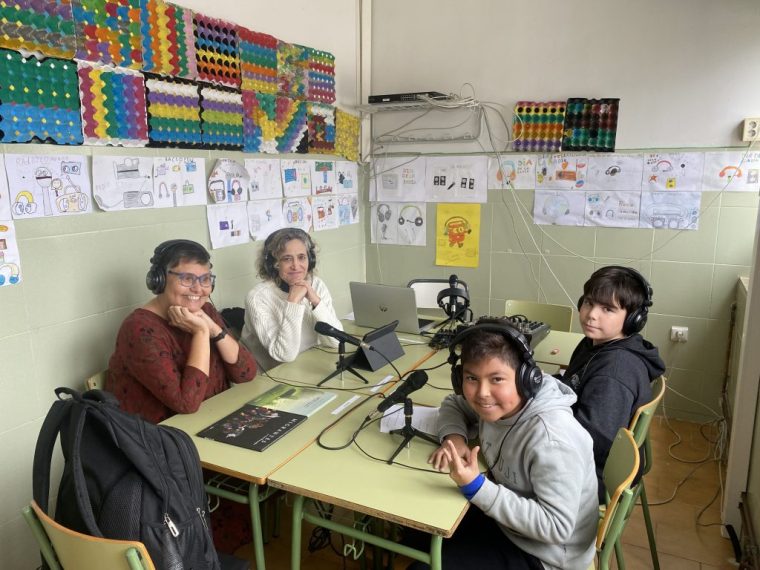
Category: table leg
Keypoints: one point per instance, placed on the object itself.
(295, 541)
(436, 542)
(258, 540)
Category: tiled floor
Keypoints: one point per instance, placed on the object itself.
(681, 543)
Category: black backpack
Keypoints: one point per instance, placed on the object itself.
(126, 478)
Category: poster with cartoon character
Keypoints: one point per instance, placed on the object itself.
(322, 177)
(228, 182)
(265, 179)
(670, 210)
(10, 260)
(614, 172)
(457, 230)
(517, 171)
(559, 208)
(346, 177)
(673, 172)
(296, 213)
(384, 222)
(561, 172)
(412, 224)
(733, 171)
(264, 217)
(123, 182)
(227, 224)
(348, 209)
(5, 199)
(397, 179)
(613, 209)
(296, 177)
(456, 179)
(324, 212)
(48, 185)
(179, 181)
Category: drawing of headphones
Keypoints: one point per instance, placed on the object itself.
(9, 272)
(501, 172)
(663, 166)
(612, 170)
(556, 206)
(726, 170)
(416, 220)
(384, 212)
(24, 203)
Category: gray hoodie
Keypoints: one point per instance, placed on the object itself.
(544, 496)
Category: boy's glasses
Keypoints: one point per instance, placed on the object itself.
(189, 280)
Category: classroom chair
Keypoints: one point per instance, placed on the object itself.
(558, 317)
(97, 381)
(619, 471)
(426, 291)
(65, 549)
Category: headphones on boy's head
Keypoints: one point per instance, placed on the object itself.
(296, 233)
(155, 279)
(637, 318)
(528, 377)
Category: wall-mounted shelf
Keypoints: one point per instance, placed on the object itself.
(405, 106)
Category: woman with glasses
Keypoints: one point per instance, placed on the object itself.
(174, 352)
(281, 311)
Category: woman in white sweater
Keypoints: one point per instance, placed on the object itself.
(281, 311)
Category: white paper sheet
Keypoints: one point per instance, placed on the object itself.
(296, 213)
(348, 209)
(673, 172)
(412, 224)
(324, 212)
(123, 182)
(265, 178)
(456, 179)
(424, 418)
(561, 172)
(732, 171)
(559, 207)
(179, 181)
(670, 210)
(228, 182)
(296, 177)
(517, 170)
(10, 260)
(384, 222)
(398, 179)
(264, 217)
(346, 177)
(322, 177)
(613, 209)
(227, 224)
(614, 172)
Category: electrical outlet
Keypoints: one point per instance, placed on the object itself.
(751, 130)
(679, 334)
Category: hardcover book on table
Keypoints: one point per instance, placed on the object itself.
(252, 427)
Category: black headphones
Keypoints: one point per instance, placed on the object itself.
(155, 279)
(528, 377)
(296, 233)
(636, 319)
(383, 212)
(417, 220)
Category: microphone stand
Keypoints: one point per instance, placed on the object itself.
(408, 431)
(343, 364)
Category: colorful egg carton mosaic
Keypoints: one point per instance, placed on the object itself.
(113, 105)
(108, 31)
(347, 131)
(39, 100)
(168, 39)
(591, 124)
(216, 51)
(538, 127)
(222, 117)
(274, 124)
(45, 26)
(174, 112)
(292, 70)
(321, 87)
(258, 61)
(321, 119)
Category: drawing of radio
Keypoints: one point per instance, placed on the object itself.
(130, 168)
(138, 199)
(71, 201)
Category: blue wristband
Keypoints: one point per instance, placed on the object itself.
(473, 487)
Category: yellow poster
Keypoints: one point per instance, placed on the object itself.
(457, 239)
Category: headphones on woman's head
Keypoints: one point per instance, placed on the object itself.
(636, 319)
(155, 279)
(295, 233)
(528, 377)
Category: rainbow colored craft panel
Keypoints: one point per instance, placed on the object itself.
(108, 31)
(168, 39)
(222, 117)
(321, 76)
(292, 70)
(216, 51)
(113, 105)
(538, 127)
(35, 25)
(274, 124)
(174, 112)
(38, 100)
(347, 130)
(258, 61)
(321, 128)
(591, 124)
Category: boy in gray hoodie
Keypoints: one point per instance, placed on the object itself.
(538, 493)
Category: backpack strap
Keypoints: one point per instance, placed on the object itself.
(43, 451)
(78, 416)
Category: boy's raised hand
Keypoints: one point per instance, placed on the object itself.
(440, 460)
(462, 471)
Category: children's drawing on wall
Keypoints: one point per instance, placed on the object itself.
(346, 177)
(322, 177)
(10, 261)
(614, 172)
(456, 179)
(670, 210)
(227, 224)
(264, 217)
(296, 213)
(561, 172)
(412, 226)
(228, 182)
(732, 171)
(5, 198)
(348, 209)
(613, 209)
(517, 171)
(397, 179)
(123, 182)
(552, 207)
(296, 177)
(179, 181)
(457, 229)
(672, 171)
(384, 222)
(265, 179)
(324, 211)
(48, 185)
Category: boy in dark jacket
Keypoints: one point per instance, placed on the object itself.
(611, 369)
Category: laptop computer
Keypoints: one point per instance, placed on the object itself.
(377, 305)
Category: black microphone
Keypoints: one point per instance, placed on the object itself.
(328, 330)
(416, 380)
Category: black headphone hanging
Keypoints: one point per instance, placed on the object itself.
(155, 279)
(528, 377)
(298, 233)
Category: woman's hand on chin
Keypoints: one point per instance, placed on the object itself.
(186, 320)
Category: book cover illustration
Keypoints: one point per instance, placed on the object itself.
(252, 427)
(293, 399)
